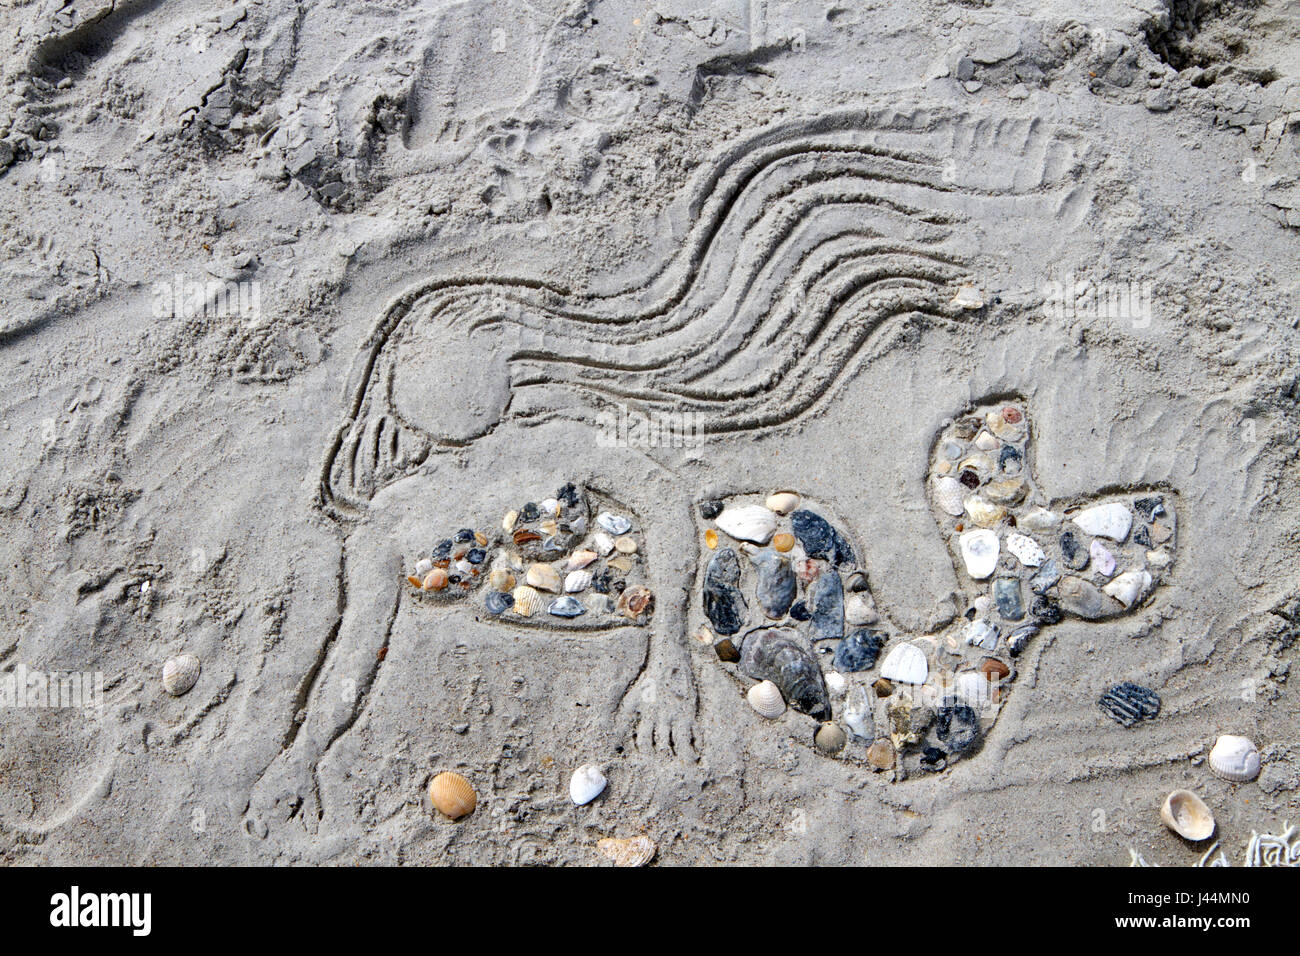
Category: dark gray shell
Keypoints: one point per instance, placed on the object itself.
(777, 654)
(826, 602)
(724, 605)
(777, 584)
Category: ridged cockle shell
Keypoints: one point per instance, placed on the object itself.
(1234, 758)
(452, 795)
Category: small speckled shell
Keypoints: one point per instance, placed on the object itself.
(452, 795)
(634, 851)
(180, 674)
(765, 698)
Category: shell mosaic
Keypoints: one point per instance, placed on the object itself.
(573, 560)
(783, 602)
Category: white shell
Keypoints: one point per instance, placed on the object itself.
(1130, 587)
(985, 442)
(748, 523)
(979, 551)
(973, 688)
(859, 608)
(982, 634)
(579, 560)
(836, 683)
(950, 496)
(765, 697)
(423, 567)
(1103, 562)
(1160, 558)
(1111, 520)
(603, 543)
(783, 502)
(180, 674)
(1026, 550)
(1040, 519)
(587, 784)
(905, 664)
(577, 581)
(1234, 758)
(1187, 815)
(614, 524)
(857, 714)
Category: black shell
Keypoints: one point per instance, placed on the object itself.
(776, 654)
(1128, 703)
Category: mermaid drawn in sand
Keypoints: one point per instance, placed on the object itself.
(807, 241)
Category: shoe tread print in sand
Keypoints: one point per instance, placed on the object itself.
(806, 242)
(781, 599)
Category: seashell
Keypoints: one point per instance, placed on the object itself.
(882, 687)
(943, 468)
(836, 683)
(1129, 588)
(576, 581)
(625, 545)
(711, 539)
(1039, 519)
(435, 580)
(632, 852)
(968, 297)
(857, 714)
(972, 688)
(549, 528)
(499, 579)
(748, 523)
(497, 602)
(586, 784)
(783, 502)
(1234, 758)
(981, 464)
(1128, 703)
(985, 441)
(180, 673)
(508, 522)
(826, 602)
(412, 580)
(982, 633)
(1006, 595)
(527, 601)
(994, 670)
(984, 513)
(783, 542)
(1018, 638)
(905, 664)
(1084, 599)
(579, 560)
(1000, 425)
(613, 524)
(452, 795)
(1103, 562)
(858, 651)
(776, 586)
(480, 538)
(860, 608)
(819, 538)
(765, 697)
(1110, 520)
(880, 755)
(830, 738)
(423, 567)
(635, 601)
(724, 604)
(979, 552)
(778, 655)
(1047, 575)
(1187, 815)
(543, 577)
(1026, 549)
(1006, 491)
(957, 726)
(950, 496)
(567, 606)
(1160, 559)
(550, 507)
(622, 563)
(603, 543)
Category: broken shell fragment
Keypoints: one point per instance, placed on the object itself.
(543, 577)
(1234, 758)
(1187, 815)
(586, 784)
(579, 560)
(1129, 588)
(452, 795)
(1026, 549)
(765, 697)
(1111, 520)
(880, 755)
(752, 523)
(625, 545)
(632, 852)
(180, 674)
(950, 496)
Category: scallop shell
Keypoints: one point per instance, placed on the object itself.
(527, 601)
(905, 664)
(452, 795)
(748, 523)
(765, 698)
(586, 784)
(543, 577)
(180, 673)
(783, 502)
(950, 496)
(577, 581)
(634, 851)
(1187, 815)
(1234, 758)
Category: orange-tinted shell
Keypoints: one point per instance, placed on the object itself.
(711, 538)
(783, 542)
(435, 580)
(452, 795)
(634, 851)
(994, 670)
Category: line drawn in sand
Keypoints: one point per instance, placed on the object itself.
(806, 242)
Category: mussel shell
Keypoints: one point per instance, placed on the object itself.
(776, 654)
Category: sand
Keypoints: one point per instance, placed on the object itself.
(290, 291)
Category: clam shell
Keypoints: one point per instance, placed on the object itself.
(625, 545)
(783, 502)
(979, 552)
(1111, 520)
(1187, 815)
(632, 852)
(543, 577)
(765, 698)
(435, 580)
(576, 581)
(972, 687)
(1026, 550)
(905, 664)
(1234, 758)
(950, 496)
(527, 601)
(586, 784)
(579, 560)
(748, 523)
(782, 542)
(452, 795)
(180, 673)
